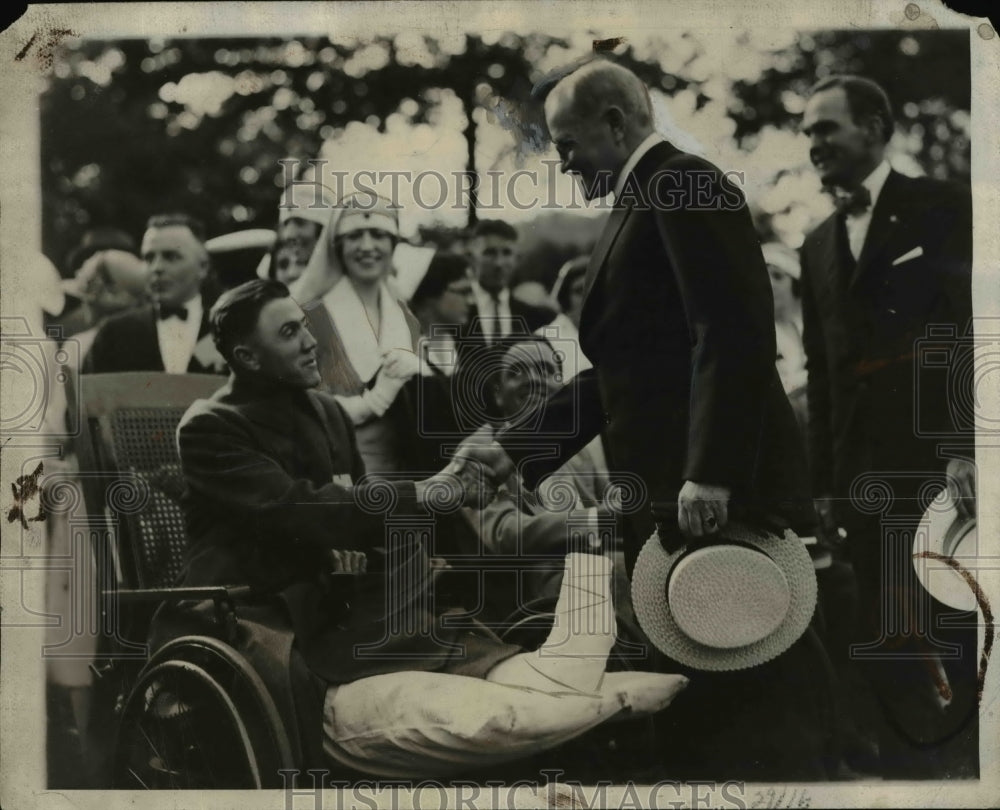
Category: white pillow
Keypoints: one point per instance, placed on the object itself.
(426, 724)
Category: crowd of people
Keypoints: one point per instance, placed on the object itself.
(739, 383)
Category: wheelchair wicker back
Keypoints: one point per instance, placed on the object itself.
(196, 715)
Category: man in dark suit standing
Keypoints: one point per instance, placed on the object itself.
(893, 260)
(677, 319)
(678, 322)
(171, 333)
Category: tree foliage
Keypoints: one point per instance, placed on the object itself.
(133, 127)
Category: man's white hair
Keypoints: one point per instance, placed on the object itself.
(598, 85)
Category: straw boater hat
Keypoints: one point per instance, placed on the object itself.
(945, 533)
(249, 239)
(729, 601)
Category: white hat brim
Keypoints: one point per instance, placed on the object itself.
(250, 239)
(942, 581)
(649, 598)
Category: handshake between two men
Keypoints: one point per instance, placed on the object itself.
(477, 469)
(480, 466)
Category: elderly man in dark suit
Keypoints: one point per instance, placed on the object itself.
(678, 322)
(891, 262)
(171, 333)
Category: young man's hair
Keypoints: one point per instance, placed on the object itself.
(865, 98)
(172, 219)
(504, 345)
(495, 227)
(235, 313)
(444, 269)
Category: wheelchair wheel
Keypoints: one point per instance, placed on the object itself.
(199, 717)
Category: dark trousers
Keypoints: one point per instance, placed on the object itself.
(770, 723)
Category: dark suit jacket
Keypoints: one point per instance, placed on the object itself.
(128, 342)
(526, 319)
(874, 403)
(266, 500)
(678, 321)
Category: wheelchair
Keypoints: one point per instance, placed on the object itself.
(195, 714)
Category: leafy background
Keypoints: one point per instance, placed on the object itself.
(134, 127)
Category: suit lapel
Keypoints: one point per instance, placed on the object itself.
(635, 184)
(205, 358)
(475, 323)
(336, 454)
(604, 244)
(204, 326)
(885, 217)
(828, 254)
(151, 339)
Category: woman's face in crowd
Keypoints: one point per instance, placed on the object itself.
(455, 303)
(299, 236)
(367, 254)
(287, 264)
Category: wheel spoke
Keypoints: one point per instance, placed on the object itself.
(182, 729)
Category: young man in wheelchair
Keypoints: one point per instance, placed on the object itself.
(277, 499)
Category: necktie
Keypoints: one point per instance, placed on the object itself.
(853, 203)
(495, 331)
(172, 312)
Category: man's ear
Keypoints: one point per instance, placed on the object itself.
(615, 119)
(246, 357)
(875, 128)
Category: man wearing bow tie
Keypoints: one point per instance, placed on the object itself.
(171, 333)
(893, 260)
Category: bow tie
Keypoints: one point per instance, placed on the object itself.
(853, 203)
(165, 312)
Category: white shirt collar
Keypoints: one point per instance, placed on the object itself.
(193, 307)
(876, 180)
(648, 143)
(483, 297)
(177, 339)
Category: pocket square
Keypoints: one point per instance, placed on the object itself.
(910, 254)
